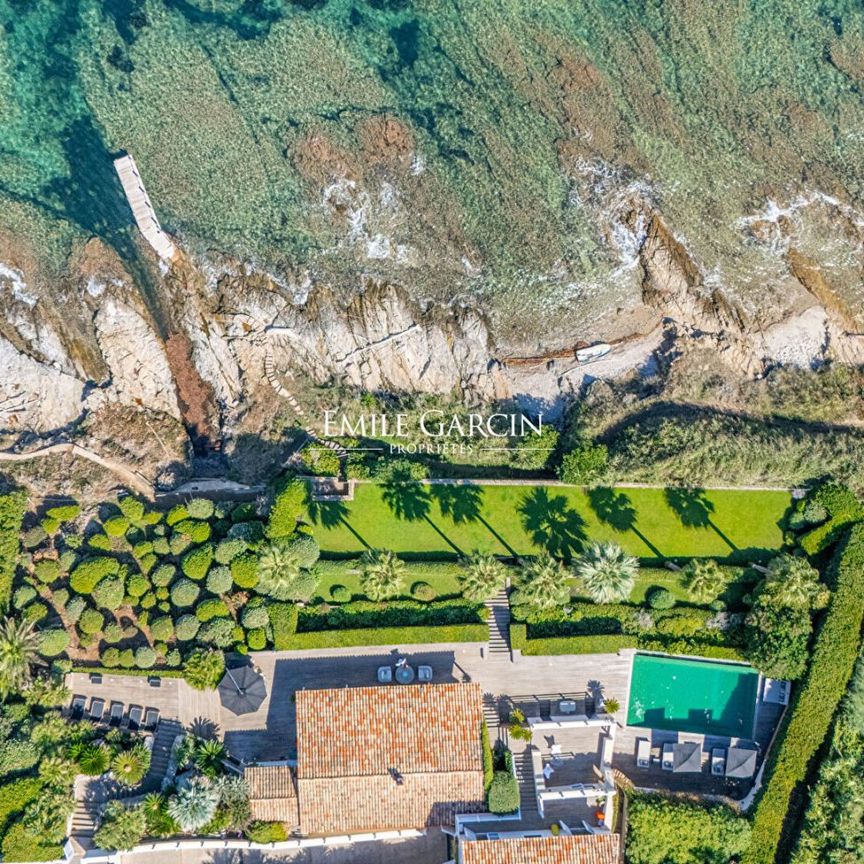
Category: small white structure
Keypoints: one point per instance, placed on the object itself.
(142, 209)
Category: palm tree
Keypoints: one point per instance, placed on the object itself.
(703, 579)
(19, 648)
(130, 766)
(793, 583)
(383, 574)
(607, 572)
(57, 771)
(194, 805)
(281, 573)
(234, 802)
(544, 584)
(208, 757)
(484, 576)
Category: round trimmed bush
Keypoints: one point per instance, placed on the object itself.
(340, 594)
(50, 526)
(109, 593)
(23, 595)
(184, 593)
(138, 585)
(249, 532)
(164, 606)
(102, 542)
(148, 601)
(163, 575)
(660, 598)
(90, 572)
(196, 563)
(67, 560)
(176, 514)
(228, 550)
(127, 658)
(256, 640)
(113, 633)
(32, 538)
(423, 591)
(200, 508)
(36, 611)
(197, 532)
(74, 608)
(53, 642)
(61, 597)
(64, 512)
(47, 570)
(162, 629)
(162, 594)
(218, 632)
(139, 550)
(147, 563)
(173, 658)
(305, 550)
(145, 657)
(211, 608)
(179, 543)
(219, 580)
(244, 570)
(161, 546)
(116, 526)
(111, 657)
(255, 617)
(187, 628)
(91, 621)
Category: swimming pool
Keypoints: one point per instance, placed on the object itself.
(692, 696)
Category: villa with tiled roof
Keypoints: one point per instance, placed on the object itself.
(272, 793)
(576, 849)
(385, 758)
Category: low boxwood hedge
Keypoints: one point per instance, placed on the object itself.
(809, 719)
(396, 613)
(389, 636)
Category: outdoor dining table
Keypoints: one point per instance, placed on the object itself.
(405, 674)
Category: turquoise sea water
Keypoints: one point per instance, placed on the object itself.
(692, 696)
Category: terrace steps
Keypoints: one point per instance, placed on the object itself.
(499, 626)
(524, 769)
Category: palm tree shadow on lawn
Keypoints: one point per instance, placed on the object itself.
(463, 503)
(615, 508)
(332, 514)
(552, 523)
(694, 509)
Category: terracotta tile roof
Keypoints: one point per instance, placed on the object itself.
(578, 849)
(359, 731)
(272, 793)
(350, 741)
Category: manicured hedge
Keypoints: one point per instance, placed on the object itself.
(12, 506)
(161, 672)
(396, 613)
(844, 509)
(390, 636)
(810, 717)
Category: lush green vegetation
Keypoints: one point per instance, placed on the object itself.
(809, 719)
(663, 831)
(448, 521)
(833, 828)
(12, 505)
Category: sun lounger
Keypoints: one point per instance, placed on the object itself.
(97, 709)
(667, 763)
(76, 707)
(718, 761)
(115, 714)
(424, 674)
(133, 718)
(643, 753)
(151, 719)
(385, 674)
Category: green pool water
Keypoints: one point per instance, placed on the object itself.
(692, 696)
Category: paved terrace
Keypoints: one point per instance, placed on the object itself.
(269, 732)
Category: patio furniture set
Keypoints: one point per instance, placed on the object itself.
(685, 757)
(402, 673)
(115, 714)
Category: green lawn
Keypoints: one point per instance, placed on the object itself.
(442, 576)
(438, 521)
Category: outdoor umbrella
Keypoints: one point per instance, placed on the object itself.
(242, 690)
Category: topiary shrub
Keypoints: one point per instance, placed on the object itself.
(162, 628)
(340, 594)
(91, 622)
(423, 591)
(61, 597)
(113, 633)
(50, 526)
(74, 608)
(64, 512)
(145, 657)
(147, 563)
(127, 658)
(289, 504)
(109, 593)
(503, 793)
(197, 532)
(116, 526)
(173, 658)
(162, 594)
(148, 601)
(211, 608)
(219, 632)
(176, 514)
(187, 628)
(36, 611)
(256, 640)
(249, 532)
(163, 575)
(255, 617)
(111, 657)
(219, 580)
(100, 542)
(87, 575)
(305, 550)
(47, 570)
(660, 599)
(184, 593)
(67, 560)
(23, 595)
(32, 538)
(53, 642)
(200, 508)
(138, 585)
(244, 570)
(179, 543)
(161, 546)
(196, 563)
(228, 550)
